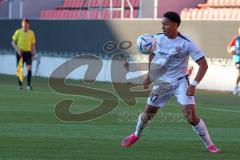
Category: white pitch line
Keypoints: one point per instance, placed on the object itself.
(222, 110)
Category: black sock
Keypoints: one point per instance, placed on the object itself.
(19, 82)
(29, 76)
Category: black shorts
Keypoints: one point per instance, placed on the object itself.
(237, 64)
(27, 58)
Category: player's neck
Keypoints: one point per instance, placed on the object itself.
(173, 35)
(25, 30)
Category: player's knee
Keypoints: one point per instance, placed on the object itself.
(29, 67)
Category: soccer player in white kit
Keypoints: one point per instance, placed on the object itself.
(168, 64)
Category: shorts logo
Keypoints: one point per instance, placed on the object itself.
(153, 97)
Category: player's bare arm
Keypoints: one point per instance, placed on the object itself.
(16, 48)
(33, 50)
(203, 66)
(148, 81)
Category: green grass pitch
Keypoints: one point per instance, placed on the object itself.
(29, 129)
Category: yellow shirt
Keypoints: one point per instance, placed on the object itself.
(24, 40)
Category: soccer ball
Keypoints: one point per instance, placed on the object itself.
(145, 43)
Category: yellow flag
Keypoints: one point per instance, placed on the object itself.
(19, 72)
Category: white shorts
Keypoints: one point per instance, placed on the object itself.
(178, 89)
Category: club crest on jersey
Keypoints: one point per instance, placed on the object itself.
(178, 50)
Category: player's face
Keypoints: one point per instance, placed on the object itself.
(25, 25)
(169, 28)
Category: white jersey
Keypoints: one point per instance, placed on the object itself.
(174, 53)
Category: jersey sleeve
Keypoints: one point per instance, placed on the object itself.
(195, 53)
(33, 38)
(15, 36)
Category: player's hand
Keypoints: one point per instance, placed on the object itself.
(33, 56)
(191, 90)
(19, 52)
(154, 45)
(146, 83)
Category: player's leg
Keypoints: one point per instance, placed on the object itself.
(29, 69)
(238, 78)
(154, 102)
(19, 82)
(143, 119)
(159, 96)
(198, 124)
(236, 86)
(199, 127)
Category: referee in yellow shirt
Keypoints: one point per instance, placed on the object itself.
(23, 41)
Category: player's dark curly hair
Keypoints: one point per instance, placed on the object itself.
(173, 16)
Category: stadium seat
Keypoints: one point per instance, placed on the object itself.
(188, 14)
(100, 9)
(96, 3)
(183, 13)
(200, 14)
(93, 3)
(127, 13)
(214, 10)
(75, 3)
(223, 3)
(194, 13)
(90, 9)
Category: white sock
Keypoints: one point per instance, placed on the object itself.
(235, 87)
(141, 124)
(202, 132)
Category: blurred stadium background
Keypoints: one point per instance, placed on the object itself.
(68, 28)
